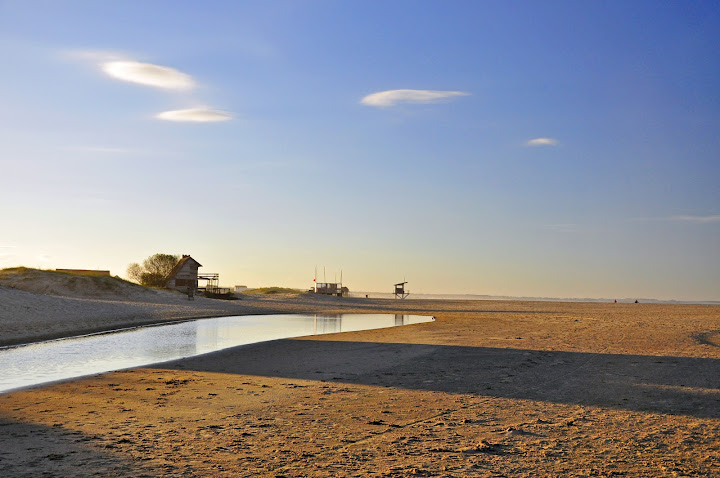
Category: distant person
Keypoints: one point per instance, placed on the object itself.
(616, 301)
(366, 296)
(636, 301)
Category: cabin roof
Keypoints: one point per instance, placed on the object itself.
(185, 259)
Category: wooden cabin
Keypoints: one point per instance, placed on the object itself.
(184, 275)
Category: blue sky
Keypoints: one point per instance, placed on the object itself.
(564, 149)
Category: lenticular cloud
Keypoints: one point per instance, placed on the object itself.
(149, 75)
(393, 97)
(542, 142)
(195, 115)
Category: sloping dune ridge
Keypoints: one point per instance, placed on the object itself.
(491, 388)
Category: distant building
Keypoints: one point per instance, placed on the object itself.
(85, 272)
(331, 288)
(184, 274)
(241, 288)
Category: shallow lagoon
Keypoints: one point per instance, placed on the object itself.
(49, 361)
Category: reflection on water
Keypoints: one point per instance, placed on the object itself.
(43, 362)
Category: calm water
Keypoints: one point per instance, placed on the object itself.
(43, 362)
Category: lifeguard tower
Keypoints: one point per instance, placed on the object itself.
(400, 292)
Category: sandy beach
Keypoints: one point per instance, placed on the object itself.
(491, 388)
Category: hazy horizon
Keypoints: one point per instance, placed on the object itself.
(623, 300)
(562, 149)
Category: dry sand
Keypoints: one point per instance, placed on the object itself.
(491, 388)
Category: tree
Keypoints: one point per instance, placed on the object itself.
(154, 271)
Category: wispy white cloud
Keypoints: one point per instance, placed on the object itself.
(195, 115)
(121, 67)
(149, 74)
(542, 142)
(6, 252)
(7, 258)
(681, 218)
(287, 164)
(562, 227)
(393, 97)
(93, 56)
(696, 219)
(102, 149)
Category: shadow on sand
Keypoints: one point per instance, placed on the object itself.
(672, 385)
(39, 450)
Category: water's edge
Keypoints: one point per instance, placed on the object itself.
(44, 362)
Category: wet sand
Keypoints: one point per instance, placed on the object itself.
(491, 388)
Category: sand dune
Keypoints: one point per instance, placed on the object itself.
(491, 388)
